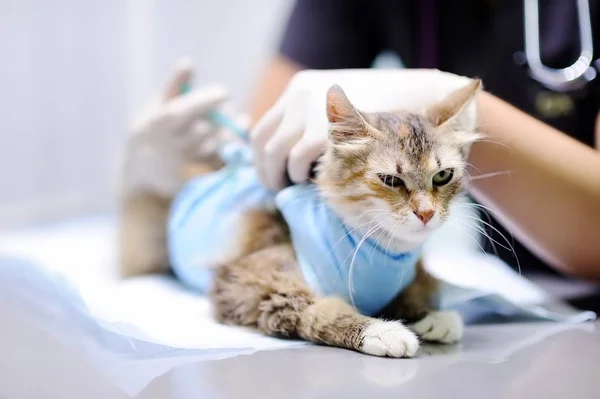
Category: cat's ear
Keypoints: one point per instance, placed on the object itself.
(345, 121)
(454, 104)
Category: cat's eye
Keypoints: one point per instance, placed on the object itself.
(391, 180)
(443, 177)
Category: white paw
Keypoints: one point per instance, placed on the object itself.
(389, 338)
(445, 327)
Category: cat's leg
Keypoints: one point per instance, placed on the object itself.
(265, 290)
(440, 326)
(142, 234)
(143, 227)
(414, 306)
(143, 224)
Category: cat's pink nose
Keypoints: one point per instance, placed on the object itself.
(425, 216)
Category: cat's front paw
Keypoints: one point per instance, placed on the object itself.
(389, 338)
(444, 327)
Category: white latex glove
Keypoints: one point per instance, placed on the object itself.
(171, 133)
(294, 132)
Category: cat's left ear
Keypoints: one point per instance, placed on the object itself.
(346, 122)
(453, 106)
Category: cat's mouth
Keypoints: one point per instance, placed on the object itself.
(423, 230)
(420, 232)
(413, 235)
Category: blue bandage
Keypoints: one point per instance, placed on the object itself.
(206, 218)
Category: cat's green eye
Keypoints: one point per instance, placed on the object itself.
(442, 177)
(391, 180)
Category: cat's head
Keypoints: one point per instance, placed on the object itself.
(398, 171)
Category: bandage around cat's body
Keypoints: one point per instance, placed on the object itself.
(335, 261)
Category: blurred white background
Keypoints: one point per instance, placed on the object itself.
(73, 72)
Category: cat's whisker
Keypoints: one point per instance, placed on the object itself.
(392, 234)
(376, 244)
(477, 229)
(483, 232)
(351, 268)
(491, 174)
(356, 228)
(493, 228)
(479, 208)
(472, 166)
(468, 174)
(486, 211)
(479, 126)
(473, 238)
(475, 205)
(394, 231)
(510, 248)
(337, 274)
(483, 208)
(370, 210)
(493, 142)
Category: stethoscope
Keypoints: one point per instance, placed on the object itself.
(573, 77)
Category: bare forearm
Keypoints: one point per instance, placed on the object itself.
(273, 81)
(550, 199)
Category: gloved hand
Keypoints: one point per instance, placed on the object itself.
(174, 131)
(293, 133)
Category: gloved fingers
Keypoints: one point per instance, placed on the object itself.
(179, 79)
(277, 150)
(185, 110)
(303, 155)
(241, 119)
(266, 126)
(260, 135)
(312, 144)
(204, 138)
(201, 130)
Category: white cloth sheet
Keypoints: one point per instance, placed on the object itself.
(64, 278)
(76, 260)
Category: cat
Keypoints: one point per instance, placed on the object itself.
(408, 164)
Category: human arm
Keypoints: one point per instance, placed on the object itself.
(550, 197)
(598, 132)
(271, 84)
(318, 34)
(172, 135)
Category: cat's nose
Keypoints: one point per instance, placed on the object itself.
(424, 215)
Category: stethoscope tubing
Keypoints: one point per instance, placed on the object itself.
(570, 78)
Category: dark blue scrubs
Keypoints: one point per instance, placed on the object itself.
(476, 38)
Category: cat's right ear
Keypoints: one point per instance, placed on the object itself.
(346, 122)
(454, 104)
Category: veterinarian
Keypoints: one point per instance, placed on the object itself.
(539, 165)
